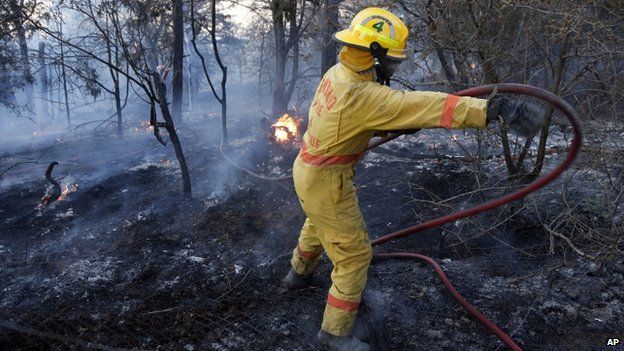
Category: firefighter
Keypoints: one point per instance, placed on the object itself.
(352, 103)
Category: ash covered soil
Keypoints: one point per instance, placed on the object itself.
(124, 262)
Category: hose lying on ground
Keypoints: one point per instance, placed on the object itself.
(572, 116)
(484, 90)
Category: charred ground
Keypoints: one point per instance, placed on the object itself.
(126, 263)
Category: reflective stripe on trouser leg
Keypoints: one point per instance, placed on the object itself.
(328, 197)
(351, 261)
(307, 254)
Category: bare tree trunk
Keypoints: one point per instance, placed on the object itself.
(509, 161)
(491, 76)
(192, 86)
(161, 90)
(460, 60)
(118, 109)
(330, 26)
(448, 71)
(282, 91)
(18, 22)
(51, 70)
(113, 59)
(43, 82)
(7, 95)
(59, 89)
(224, 75)
(178, 55)
(224, 70)
(293, 42)
(261, 66)
(64, 79)
(191, 77)
(279, 104)
(557, 78)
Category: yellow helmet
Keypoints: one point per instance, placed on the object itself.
(376, 25)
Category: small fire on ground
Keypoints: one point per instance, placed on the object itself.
(286, 129)
(143, 127)
(50, 197)
(68, 189)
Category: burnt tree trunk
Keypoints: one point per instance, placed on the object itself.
(262, 44)
(224, 74)
(51, 70)
(285, 12)
(224, 70)
(192, 81)
(329, 27)
(18, 21)
(64, 79)
(178, 55)
(293, 43)
(557, 78)
(161, 91)
(43, 82)
(492, 77)
(113, 59)
(279, 104)
(430, 18)
(7, 95)
(117, 94)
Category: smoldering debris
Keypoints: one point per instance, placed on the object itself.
(138, 260)
(54, 192)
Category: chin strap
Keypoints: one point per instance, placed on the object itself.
(379, 53)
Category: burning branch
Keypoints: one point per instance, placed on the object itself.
(155, 124)
(286, 129)
(55, 193)
(161, 99)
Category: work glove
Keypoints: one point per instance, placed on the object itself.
(522, 117)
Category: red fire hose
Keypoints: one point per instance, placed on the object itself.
(572, 116)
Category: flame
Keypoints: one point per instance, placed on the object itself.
(45, 201)
(144, 127)
(286, 128)
(68, 189)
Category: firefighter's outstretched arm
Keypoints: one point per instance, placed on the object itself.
(384, 108)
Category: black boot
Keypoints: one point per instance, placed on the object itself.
(295, 281)
(341, 343)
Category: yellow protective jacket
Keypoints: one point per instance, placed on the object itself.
(349, 107)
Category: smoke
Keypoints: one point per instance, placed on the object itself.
(128, 206)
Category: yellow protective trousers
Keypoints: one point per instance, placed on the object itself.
(335, 224)
(348, 108)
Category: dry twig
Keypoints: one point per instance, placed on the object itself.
(568, 241)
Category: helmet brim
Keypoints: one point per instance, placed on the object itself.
(346, 38)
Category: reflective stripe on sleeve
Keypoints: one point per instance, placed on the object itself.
(446, 120)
